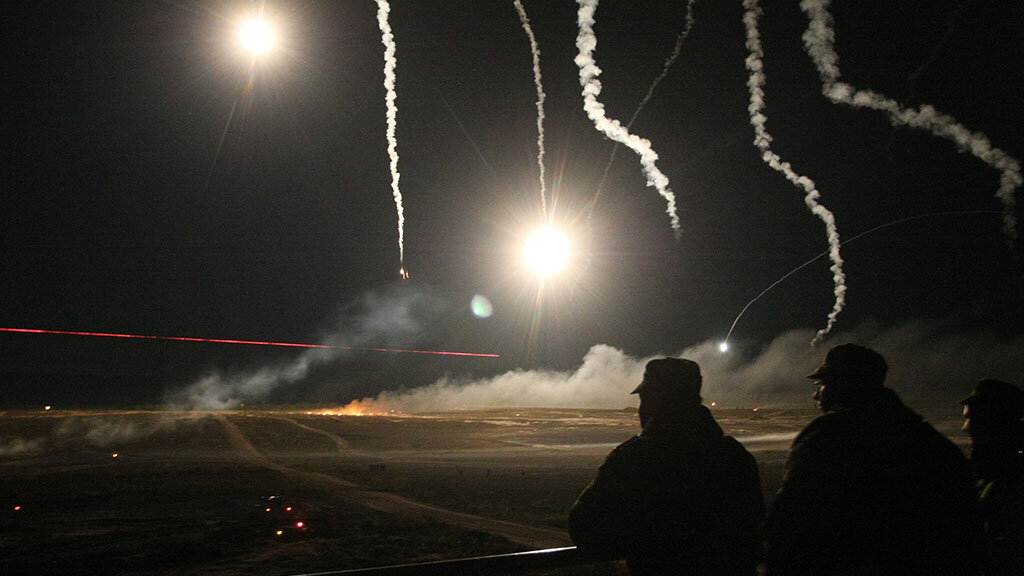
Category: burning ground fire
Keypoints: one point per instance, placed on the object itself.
(356, 408)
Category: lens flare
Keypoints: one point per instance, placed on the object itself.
(546, 251)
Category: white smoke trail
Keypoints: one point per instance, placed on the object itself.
(819, 40)
(586, 42)
(535, 51)
(755, 64)
(676, 52)
(383, 9)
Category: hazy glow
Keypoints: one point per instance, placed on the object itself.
(723, 347)
(257, 36)
(546, 251)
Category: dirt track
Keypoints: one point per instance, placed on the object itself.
(354, 494)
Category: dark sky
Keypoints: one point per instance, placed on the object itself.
(154, 182)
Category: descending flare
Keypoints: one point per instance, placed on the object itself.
(818, 40)
(586, 42)
(755, 64)
(383, 9)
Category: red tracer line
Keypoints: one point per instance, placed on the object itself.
(249, 342)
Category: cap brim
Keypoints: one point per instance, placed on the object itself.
(638, 388)
(969, 400)
(820, 373)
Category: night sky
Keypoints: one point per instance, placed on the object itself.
(156, 182)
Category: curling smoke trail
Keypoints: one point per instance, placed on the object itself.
(586, 42)
(676, 51)
(755, 64)
(818, 41)
(535, 51)
(383, 8)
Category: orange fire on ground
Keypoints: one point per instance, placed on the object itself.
(365, 407)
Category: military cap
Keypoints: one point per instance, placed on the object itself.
(852, 363)
(997, 397)
(671, 378)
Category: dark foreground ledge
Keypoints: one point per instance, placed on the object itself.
(498, 564)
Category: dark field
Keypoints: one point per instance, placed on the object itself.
(189, 493)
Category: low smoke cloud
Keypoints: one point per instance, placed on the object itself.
(928, 362)
(396, 316)
(90, 431)
(17, 446)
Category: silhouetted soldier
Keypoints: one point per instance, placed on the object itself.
(992, 418)
(870, 487)
(678, 498)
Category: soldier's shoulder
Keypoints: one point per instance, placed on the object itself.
(628, 450)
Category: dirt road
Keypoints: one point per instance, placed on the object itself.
(354, 494)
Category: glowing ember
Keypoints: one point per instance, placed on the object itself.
(17, 508)
(288, 509)
(268, 510)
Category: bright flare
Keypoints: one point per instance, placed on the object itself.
(257, 36)
(546, 251)
(723, 347)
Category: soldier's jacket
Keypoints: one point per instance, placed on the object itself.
(874, 491)
(679, 498)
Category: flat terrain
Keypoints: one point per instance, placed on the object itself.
(285, 492)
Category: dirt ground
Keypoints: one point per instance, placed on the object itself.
(286, 492)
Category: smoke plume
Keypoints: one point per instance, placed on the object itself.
(755, 64)
(586, 42)
(383, 9)
(928, 362)
(676, 51)
(535, 52)
(819, 39)
(395, 316)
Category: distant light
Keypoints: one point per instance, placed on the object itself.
(288, 509)
(17, 508)
(481, 306)
(47, 407)
(723, 347)
(300, 524)
(712, 404)
(257, 36)
(279, 532)
(546, 251)
(268, 510)
(114, 455)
